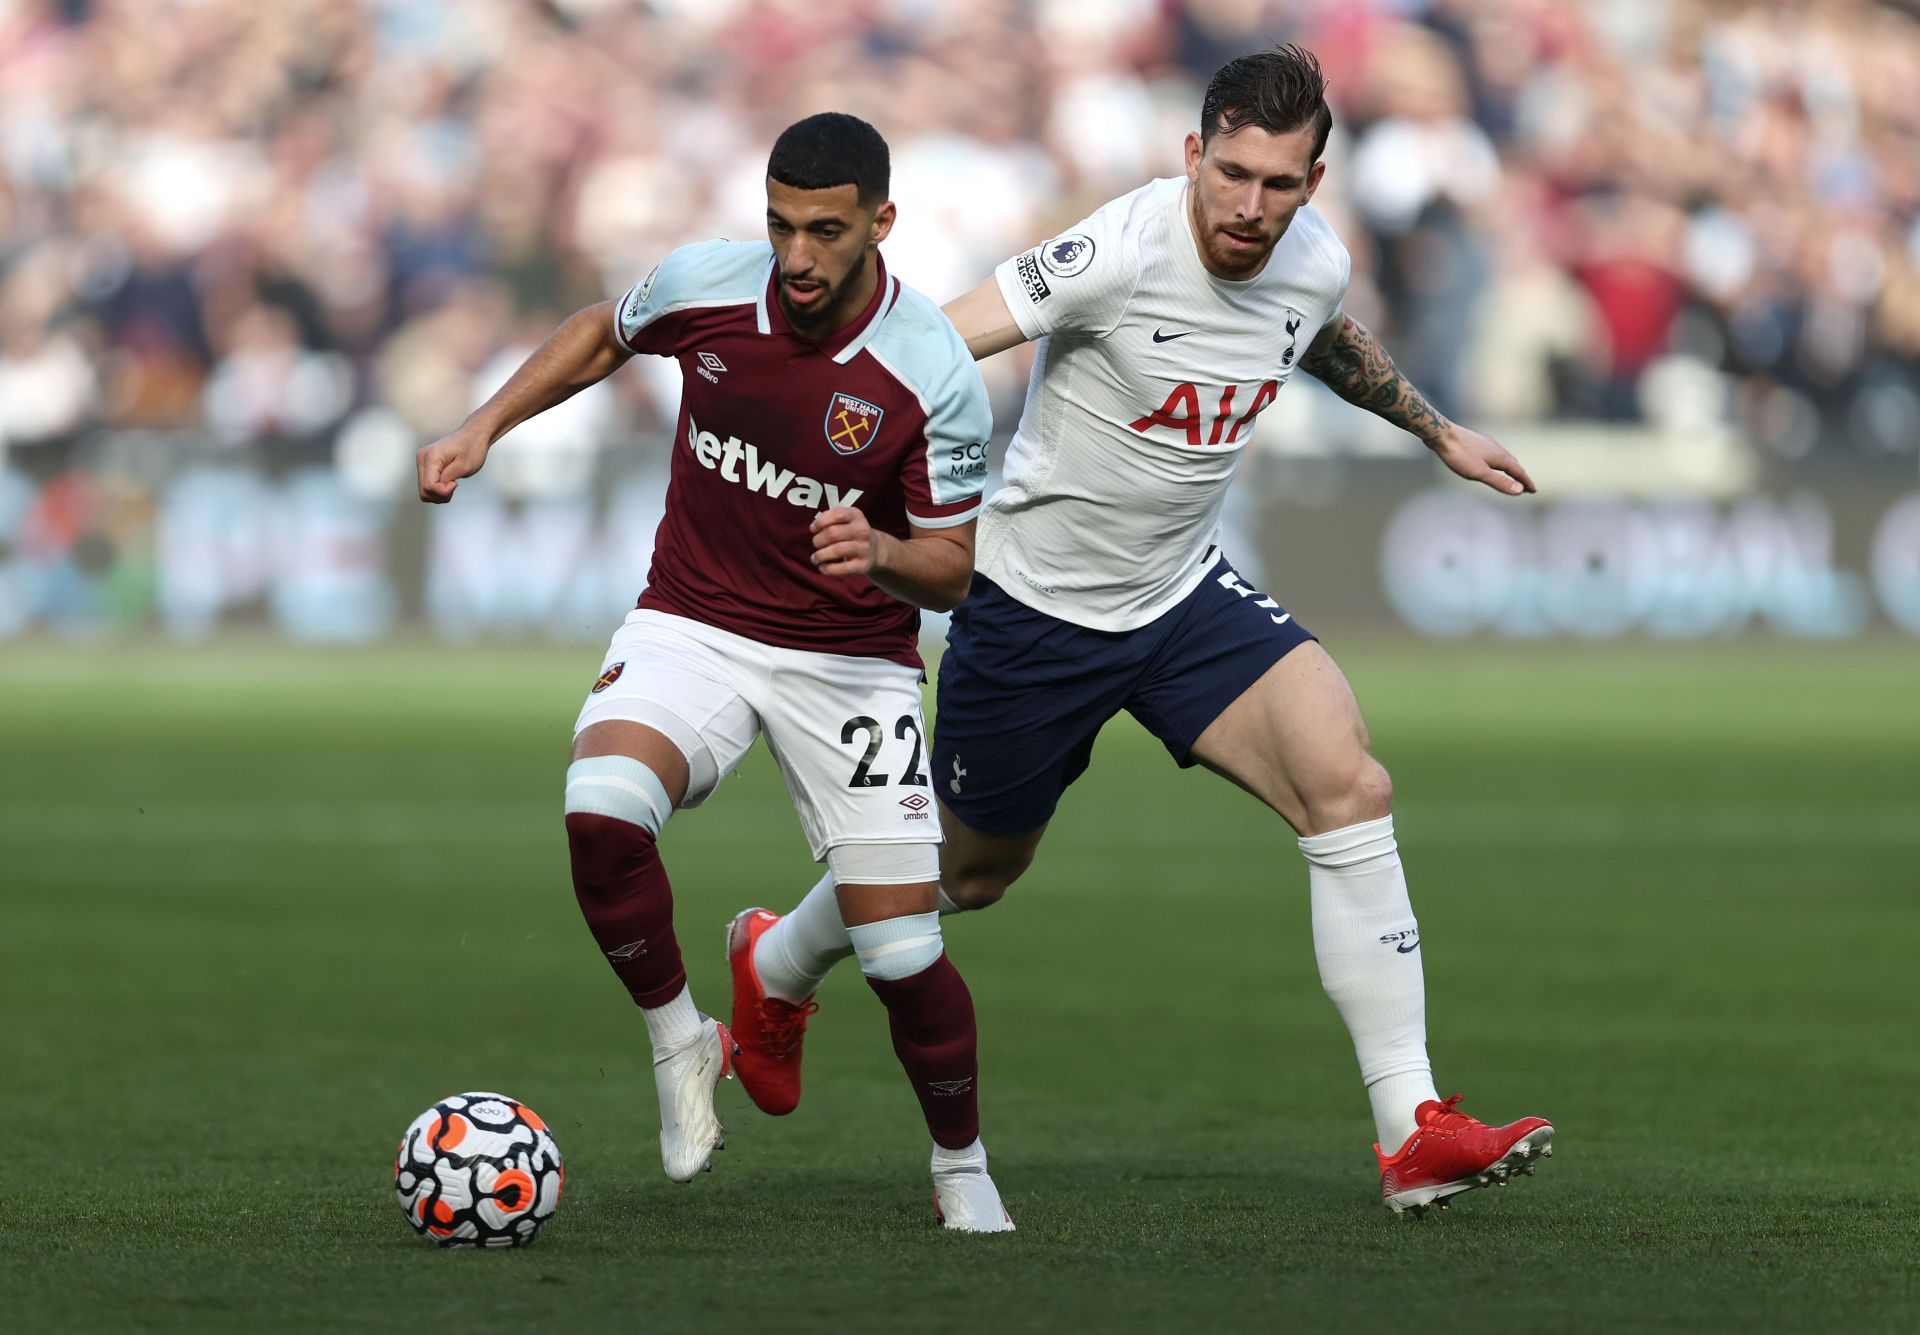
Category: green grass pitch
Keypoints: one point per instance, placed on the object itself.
(259, 907)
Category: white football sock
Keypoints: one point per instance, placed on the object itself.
(673, 1025)
(946, 902)
(796, 953)
(1368, 947)
(972, 1159)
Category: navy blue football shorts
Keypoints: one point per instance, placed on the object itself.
(1022, 694)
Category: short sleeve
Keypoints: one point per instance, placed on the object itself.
(638, 310)
(706, 273)
(1080, 281)
(1337, 293)
(941, 484)
(1334, 267)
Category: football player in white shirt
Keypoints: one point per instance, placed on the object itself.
(1167, 322)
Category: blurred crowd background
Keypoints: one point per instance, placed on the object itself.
(317, 232)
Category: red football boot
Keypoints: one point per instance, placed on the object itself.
(767, 1031)
(1452, 1153)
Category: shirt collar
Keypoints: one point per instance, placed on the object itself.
(845, 343)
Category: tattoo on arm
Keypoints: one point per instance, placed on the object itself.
(1351, 362)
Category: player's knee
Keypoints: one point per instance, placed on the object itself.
(977, 889)
(976, 869)
(897, 948)
(978, 884)
(619, 788)
(615, 809)
(1373, 792)
(1363, 793)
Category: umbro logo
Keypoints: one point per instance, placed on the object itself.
(708, 365)
(950, 1087)
(632, 950)
(915, 802)
(1159, 337)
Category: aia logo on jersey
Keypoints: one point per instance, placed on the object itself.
(609, 677)
(1067, 255)
(1183, 412)
(852, 423)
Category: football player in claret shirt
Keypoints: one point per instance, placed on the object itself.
(823, 486)
(1167, 321)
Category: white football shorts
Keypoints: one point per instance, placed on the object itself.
(846, 732)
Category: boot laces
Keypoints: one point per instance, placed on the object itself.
(1448, 1121)
(782, 1025)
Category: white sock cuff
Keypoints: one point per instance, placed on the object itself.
(1409, 1069)
(897, 948)
(946, 902)
(675, 1024)
(620, 787)
(1351, 844)
(971, 1159)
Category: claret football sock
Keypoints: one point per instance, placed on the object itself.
(628, 904)
(796, 953)
(1367, 944)
(930, 1013)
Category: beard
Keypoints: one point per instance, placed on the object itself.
(816, 314)
(1230, 258)
(1226, 257)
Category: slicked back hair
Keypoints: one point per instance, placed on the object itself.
(1280, 91)
(832, 149)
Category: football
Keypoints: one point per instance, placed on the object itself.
(478, 1170)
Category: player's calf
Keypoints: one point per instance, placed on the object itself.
(615, 808)
(930, 1014)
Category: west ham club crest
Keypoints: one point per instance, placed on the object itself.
(852, 423)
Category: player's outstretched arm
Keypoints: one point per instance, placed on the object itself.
(582, 351)
(1351, 362)
(930, 568)
(984, 321)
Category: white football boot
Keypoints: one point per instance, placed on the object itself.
(690, 1130)
(964, 1197)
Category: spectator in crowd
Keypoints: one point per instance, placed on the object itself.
(252, 220)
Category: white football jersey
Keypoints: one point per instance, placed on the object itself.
(1149, 375)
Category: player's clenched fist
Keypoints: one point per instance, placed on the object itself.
(442, 464)
(844, 543)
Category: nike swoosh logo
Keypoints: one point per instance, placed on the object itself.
(1159, 337)
(1406, 949)
(1280, 620)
